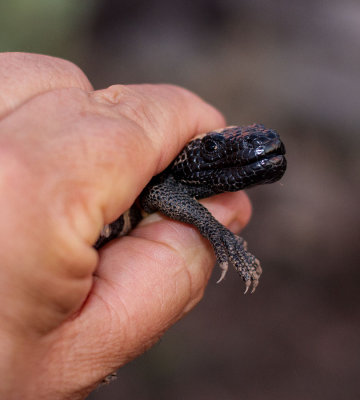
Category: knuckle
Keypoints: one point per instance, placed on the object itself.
(133, 104)
(137, 107)
(69, 74)
(50, 72)
(109, 96)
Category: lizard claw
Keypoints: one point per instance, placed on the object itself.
(256, 275)
(247, 285)
(233, 249)
(224, 268)
(254, 286)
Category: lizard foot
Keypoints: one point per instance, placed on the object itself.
(233, 249)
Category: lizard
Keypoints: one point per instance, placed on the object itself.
(224, 160)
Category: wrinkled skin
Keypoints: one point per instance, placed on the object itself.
(73, 159)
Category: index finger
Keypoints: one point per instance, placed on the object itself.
(162, 120)
(89, 155)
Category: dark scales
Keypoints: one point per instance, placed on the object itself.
(227, 160)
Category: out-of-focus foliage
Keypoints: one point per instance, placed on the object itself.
(53, 27)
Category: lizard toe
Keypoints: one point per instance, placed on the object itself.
(224, 268)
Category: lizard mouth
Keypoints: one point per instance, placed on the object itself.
(265, 163)
(274, 151)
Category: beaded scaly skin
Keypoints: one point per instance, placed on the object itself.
(225, 160)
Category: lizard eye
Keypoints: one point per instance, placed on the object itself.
(210, 145)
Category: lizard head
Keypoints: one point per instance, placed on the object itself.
(231, 159)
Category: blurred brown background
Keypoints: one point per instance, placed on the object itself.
(294, 66)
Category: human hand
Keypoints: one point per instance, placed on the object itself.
(71, 160)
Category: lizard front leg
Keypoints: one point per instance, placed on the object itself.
(173, 201)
